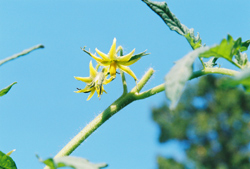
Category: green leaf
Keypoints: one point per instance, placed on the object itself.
(211, 63)
(6, 162)
(161, 8)
(242, 78)
(244, 46)
(226, 49)
(195, 42)
(180, 73)
(73, 162)
(242, 60)
(6, 90)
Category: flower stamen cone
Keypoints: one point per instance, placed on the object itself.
(94, 82)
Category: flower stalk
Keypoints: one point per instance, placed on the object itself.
(125, 100)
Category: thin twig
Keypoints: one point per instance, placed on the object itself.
(25, 52)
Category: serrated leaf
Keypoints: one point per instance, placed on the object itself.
(195, 42)
(6, 90)
(242, 78)
(226, 49)
(211, 63)
(73, 162)
(241, 59)
(161, 8)
(6, 162)
(244, 46)
(180, 73)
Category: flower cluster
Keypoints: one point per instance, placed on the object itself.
(110, 63)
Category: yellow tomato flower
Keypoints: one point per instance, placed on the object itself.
(112, 61)
(94, 82)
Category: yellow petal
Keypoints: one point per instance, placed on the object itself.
(98, 90)
(127, 70)
(103, 90)
(84, 79)
(125, 58)
(129, 63)
(91, 94)
(118, 49)
(103, 55)
(93, 56)
(106, 81)
(112, 51)
(99, 60)
(112, 69)
(92, 71)
(79, 91)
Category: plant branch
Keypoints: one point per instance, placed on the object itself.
(196, 74)
(126, 99)
(117, 105)
(20, 54)
(143, 81)
(236, 64)
(124, 83)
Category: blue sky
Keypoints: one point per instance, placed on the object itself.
(41, 113)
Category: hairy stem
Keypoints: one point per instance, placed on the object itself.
(126, 99)
(196, 74)
(120, 103)
(20, 54)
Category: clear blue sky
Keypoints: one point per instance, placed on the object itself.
(41, 113)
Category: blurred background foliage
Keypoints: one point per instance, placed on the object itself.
(214, 124)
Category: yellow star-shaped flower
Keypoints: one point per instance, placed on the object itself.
(112, 61)
(94, 82)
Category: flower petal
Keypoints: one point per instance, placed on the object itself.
(134, 59)
(106, 81)
(103, 90)
(84, 79)
(93, 56)
(118, 49)
(112, 69)
(91, 94)
(92, 71)
(127, 70)
(129, 62)
(103, 55)
(112, 51)
(126, 58)
(85, 90)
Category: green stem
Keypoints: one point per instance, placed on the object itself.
(126, 99)
(120, 103)
(215, 70)
(20, 54)
(236, 64)
(124, 83)
(196, 74)
(97, 122)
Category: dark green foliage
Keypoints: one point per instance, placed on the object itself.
(168, 163)
(214, 121)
